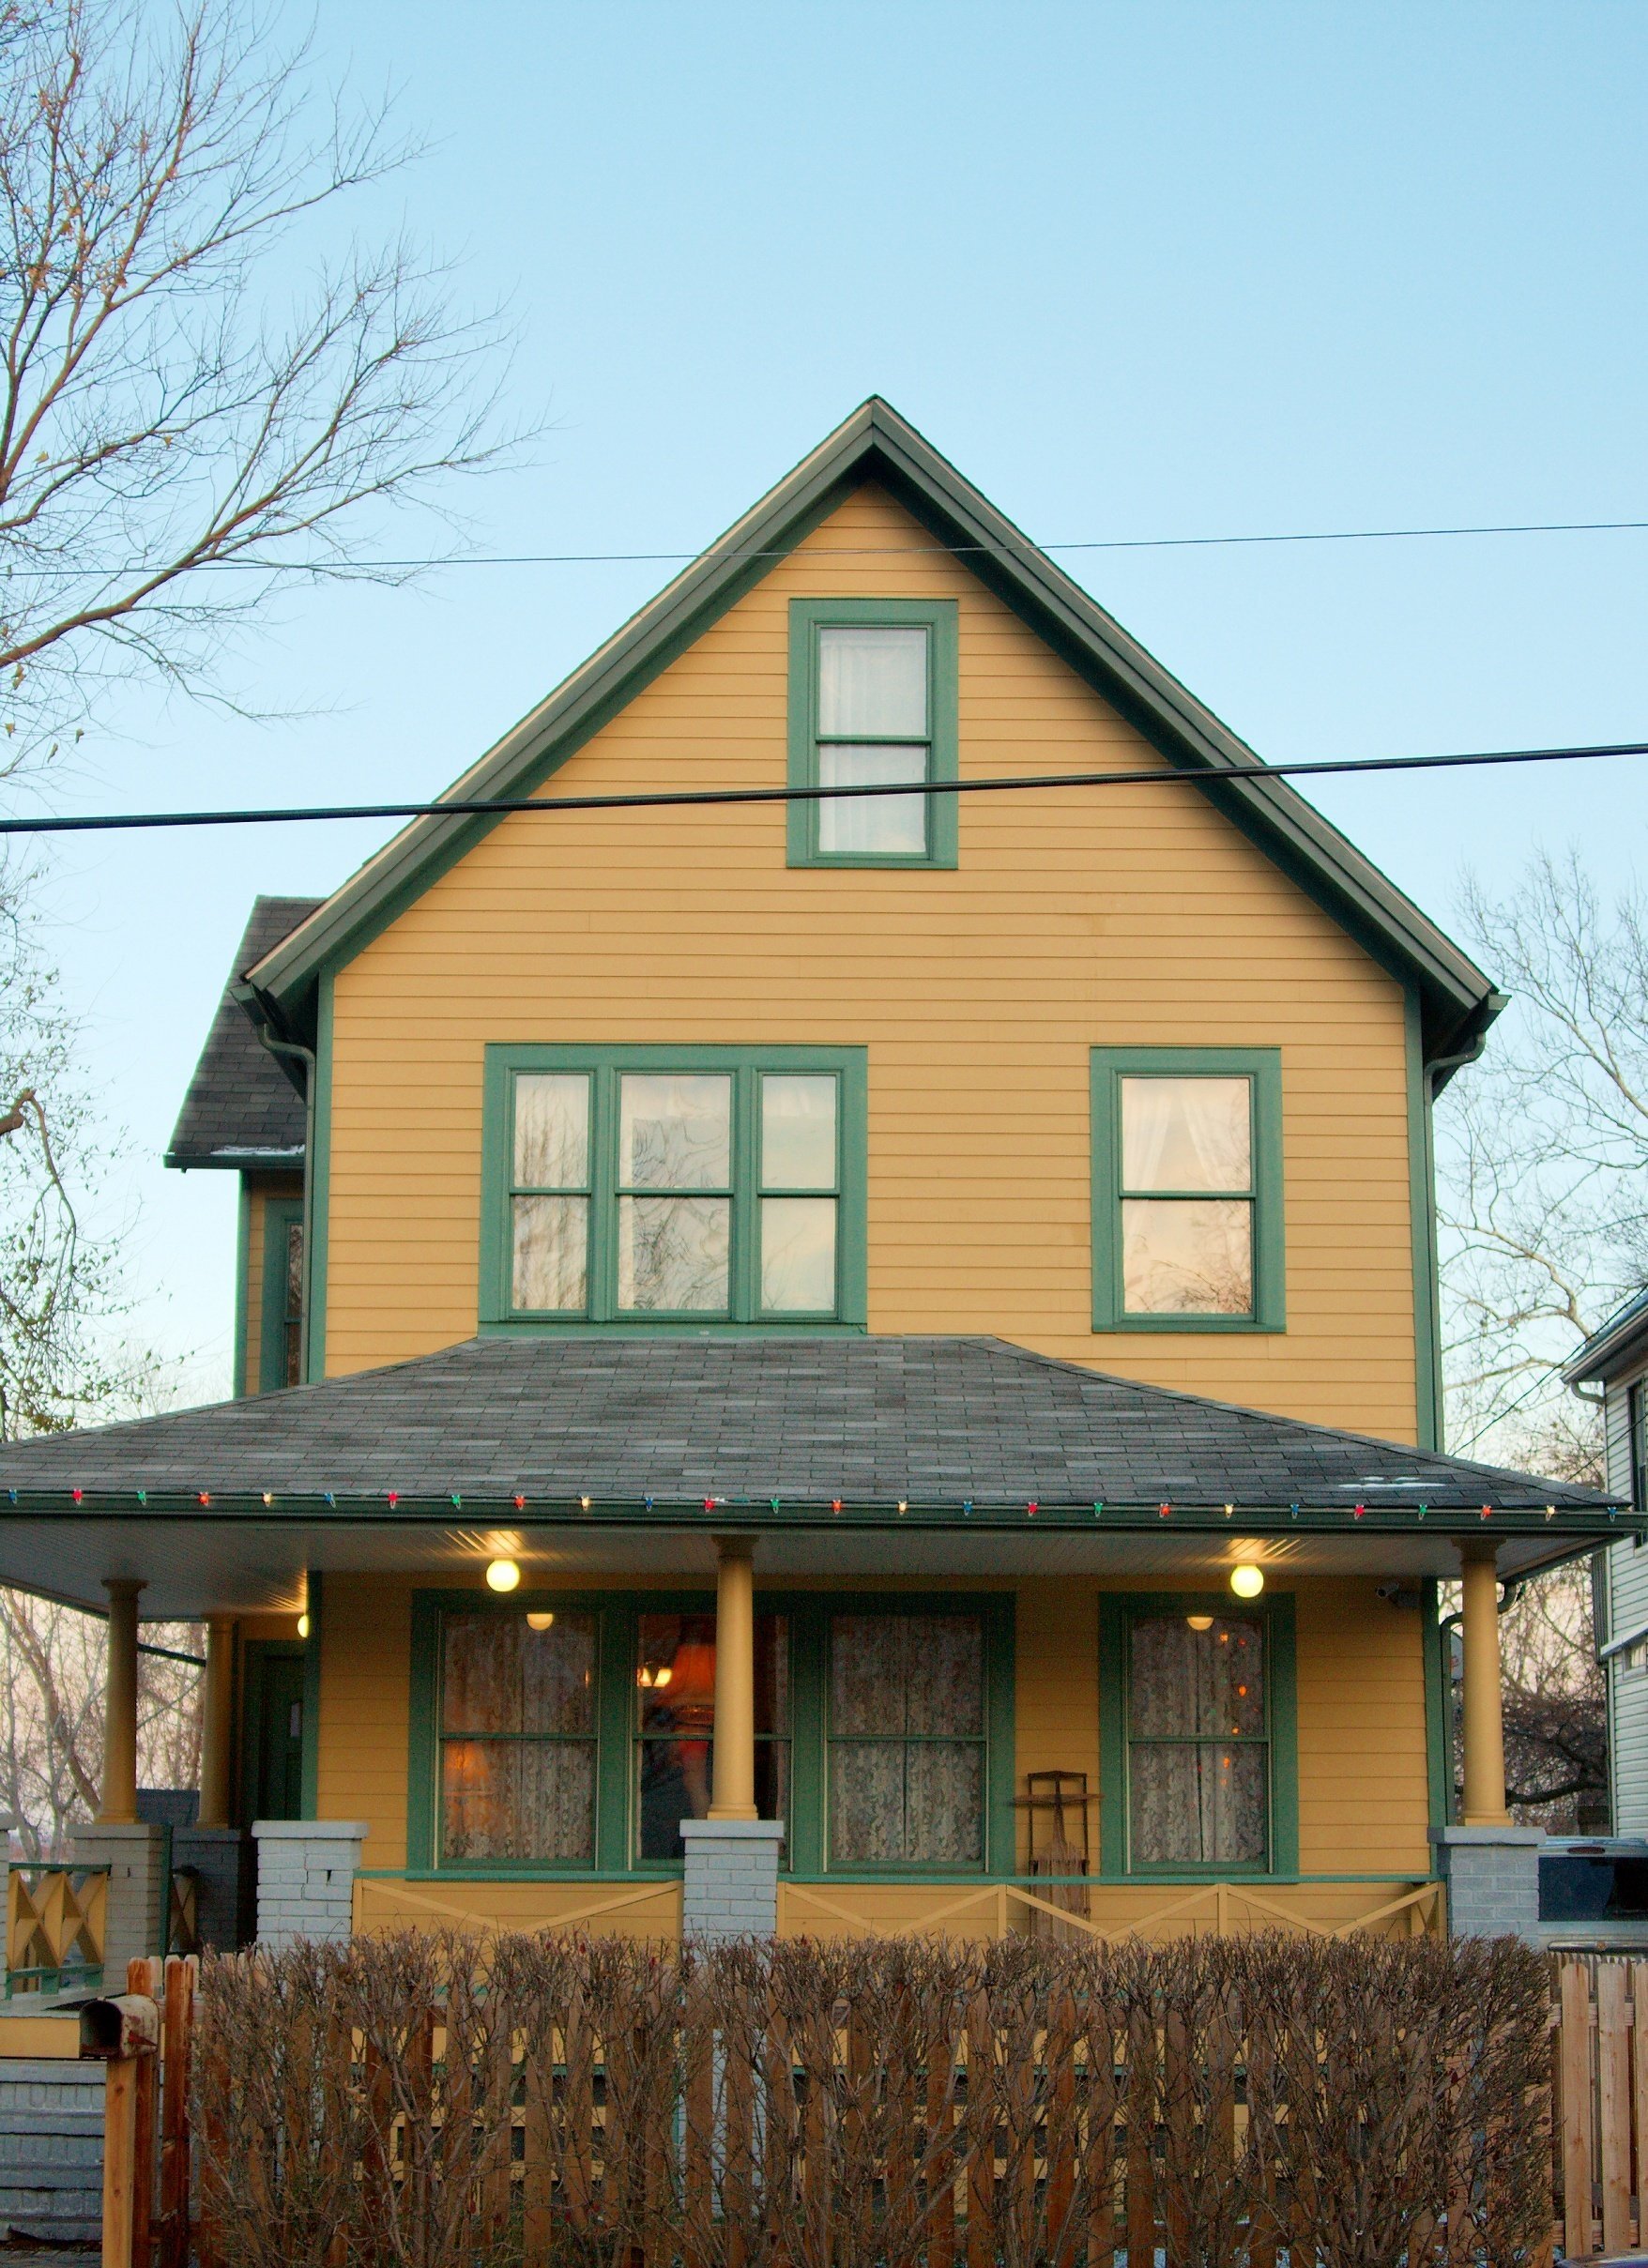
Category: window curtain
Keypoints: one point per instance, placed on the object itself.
(1198, 1760)
(906, 1751)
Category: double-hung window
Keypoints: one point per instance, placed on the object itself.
(1196, 1720)
(872, 706)
(908, 1743)
(1637, 1437)
(518, 1738)
(636, 1186)
(1188, 1189)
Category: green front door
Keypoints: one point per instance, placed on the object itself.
(274, 1732)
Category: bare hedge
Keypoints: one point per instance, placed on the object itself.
(422, 2101)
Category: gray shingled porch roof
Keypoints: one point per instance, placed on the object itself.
(241, 1109)
(649, 1427)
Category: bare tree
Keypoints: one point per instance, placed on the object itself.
(207, 389)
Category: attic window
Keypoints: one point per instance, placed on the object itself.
(872, 703)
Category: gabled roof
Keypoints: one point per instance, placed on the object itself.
(241, 1111)
(877, 444)
(960, 1430)
(1621, 1341)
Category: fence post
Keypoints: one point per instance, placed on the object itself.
(122, 2033)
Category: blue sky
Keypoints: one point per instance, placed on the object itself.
(1139, 271)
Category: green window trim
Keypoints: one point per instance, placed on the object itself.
(1118, 1612)
(744, 1066)
(938, 616)
(1262, 1068)
(280, 1215)
(617, 1613)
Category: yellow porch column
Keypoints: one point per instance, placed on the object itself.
(216, 1715)
(1484, 1731)
(734, 1680)
(118, 1808)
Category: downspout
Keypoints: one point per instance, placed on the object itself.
(306, 1056)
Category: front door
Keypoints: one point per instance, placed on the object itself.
(274, 1732)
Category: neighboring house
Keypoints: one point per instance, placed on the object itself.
(1615, 1359)
(916, 1295)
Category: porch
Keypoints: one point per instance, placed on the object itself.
(697, 1635)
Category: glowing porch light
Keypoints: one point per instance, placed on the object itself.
(503, 1574)
(1248, 1581)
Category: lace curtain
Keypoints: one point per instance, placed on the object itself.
(1198, 1759)
(518, 1739)
(907, 1739)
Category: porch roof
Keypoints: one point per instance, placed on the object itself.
(567, 1427)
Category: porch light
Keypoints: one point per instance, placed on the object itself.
(1199, 1622)
(540, 1621)
(303, 1625)
(503, 1574)
(1248, 1581)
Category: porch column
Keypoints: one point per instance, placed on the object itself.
(216, 1721)
(1485, 1732)
(118, 1808)
(135, 1918)
(734, 1795)
(729, 1887)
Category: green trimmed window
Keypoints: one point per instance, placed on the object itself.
(1188, 1189)
(1197, 1712)
(571, 1733)
(280, 1322)
(695, 1185)
(873, 704)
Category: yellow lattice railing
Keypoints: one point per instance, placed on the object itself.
(651, 1909)
(54, 1926)
(992, 1910)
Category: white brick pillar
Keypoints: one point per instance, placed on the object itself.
(1492, 1875)
(306, 1871)
(731, 1885)
(140, 1889)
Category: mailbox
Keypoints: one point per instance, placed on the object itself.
(126, 2024)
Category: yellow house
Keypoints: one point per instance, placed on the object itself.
(836, 1323)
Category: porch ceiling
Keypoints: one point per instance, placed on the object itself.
(198, 1566)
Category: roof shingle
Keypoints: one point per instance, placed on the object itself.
(241, 1109)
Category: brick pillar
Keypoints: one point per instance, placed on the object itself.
(135, 1918)
(306, 1871)
(1492, 1875)
(731, 1885)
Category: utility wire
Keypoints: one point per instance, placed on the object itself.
(678, 799)
(953, 550)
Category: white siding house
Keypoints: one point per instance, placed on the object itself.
(1617, 1360)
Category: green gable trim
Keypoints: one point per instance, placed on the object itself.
(875, 443)
(280, 1214)
(318, 1190)
(617, 1613)
(1118, 1612)
(1437, 1699)
(1428, 1377)
(1262, 1068)
(937, 617)
(504, 1062)
(242, 1286)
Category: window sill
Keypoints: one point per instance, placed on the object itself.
(539, 1327)
(1109, 1327)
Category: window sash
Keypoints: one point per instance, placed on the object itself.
(933, 750)
(841, 1746)
(605, 1195)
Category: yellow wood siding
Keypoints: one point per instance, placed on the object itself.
(1363, 1789)
(1124, 917)
(261, 1191)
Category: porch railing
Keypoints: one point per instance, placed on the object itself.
(54, 1923)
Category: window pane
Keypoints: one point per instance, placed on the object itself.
(944, 1810)
(518, 1800)
(798, 1132)
(944, 1673)
(1197, 1804)
(552, 1131)
(866, 1673)
(551, 1244)
(500, 1676)
(1189, 1256)
(1186, 1133)
(676, 1673)
(797, 1255)
(872, 681)
(1192, 1683)
(677, 1780)
(672, 1254)
(675, 1131)
(866, 1801)
(892, 826)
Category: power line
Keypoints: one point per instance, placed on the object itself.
(892, 551)
(678, 799)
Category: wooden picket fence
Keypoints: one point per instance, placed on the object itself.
(1600, 2103)
(147, 2183)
